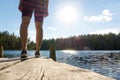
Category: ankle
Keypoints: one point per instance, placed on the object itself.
(24, 51)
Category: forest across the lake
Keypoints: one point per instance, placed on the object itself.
(109, 41)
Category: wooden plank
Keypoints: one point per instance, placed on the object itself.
(4, 63)
(14, 59)
(7, 62)
(47, 69)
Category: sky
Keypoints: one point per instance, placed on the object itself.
(66, 18)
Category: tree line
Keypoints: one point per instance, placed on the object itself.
(109, 41)
(12, 42)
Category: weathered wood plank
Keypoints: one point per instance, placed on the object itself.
(4, 63)
(47, 69)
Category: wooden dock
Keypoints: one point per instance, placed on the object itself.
(45, 69)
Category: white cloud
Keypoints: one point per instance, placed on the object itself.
(106, 31)
(105, 16)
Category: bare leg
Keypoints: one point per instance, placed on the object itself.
(24, 31)
(39, 35)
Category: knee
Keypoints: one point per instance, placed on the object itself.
(25, 23)
(24, 27)
(39, 26)
(39, 30)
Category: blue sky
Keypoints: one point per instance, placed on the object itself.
(66, 18)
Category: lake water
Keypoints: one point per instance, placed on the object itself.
(84, 59)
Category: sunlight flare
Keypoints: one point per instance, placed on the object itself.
(67, 13)
(69, 51)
